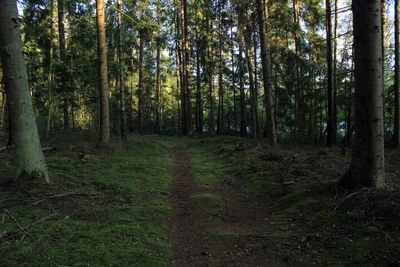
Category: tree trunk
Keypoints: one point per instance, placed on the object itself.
(267, 72)
(30, 160)
(220, 120)
(158, 77)
(396, 135)
(104, 136)
(63, 58)
(199, 106)
(140, 93)
(50, 72)
(330, 124)
(121, 78)
(367, 165)
(242, 99)
(253, 94)
(186, 118)
(210, 69)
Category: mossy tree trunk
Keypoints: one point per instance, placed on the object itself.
(367, 165)
(30, 160)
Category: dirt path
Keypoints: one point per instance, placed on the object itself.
(240, 238)
(186, 230)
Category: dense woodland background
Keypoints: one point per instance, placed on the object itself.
(217, 59)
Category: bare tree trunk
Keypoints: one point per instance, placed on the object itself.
(187, 110)
(199, 106)
(267, 72)
(367, 165)
(63, 58)
(30, 160)
(104, 137)
(220, 120)
(121, 78)
(210, 69)
(50, 72)
(253, 95)
(242, 100)
(330, 124)
(158, 78)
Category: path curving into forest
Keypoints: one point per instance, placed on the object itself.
(192, 230)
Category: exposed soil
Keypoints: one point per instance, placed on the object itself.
(192, 230)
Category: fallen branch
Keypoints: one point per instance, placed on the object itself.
(64, 195)
(17, 223)
(340, 202)
(23, 228)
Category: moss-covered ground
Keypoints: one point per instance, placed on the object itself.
(106, 208)
(310, 221)
(109, 207)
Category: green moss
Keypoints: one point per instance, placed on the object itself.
(121, 226)
(353, 252)
(370, 228)
(296, 210)
(207, 203)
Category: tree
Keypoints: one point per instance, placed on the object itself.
(104, 136)
(30, 160)
(267, 72)
(63, 59)
(367, 164)
(330, 124)
(121, 77)
(396, 135)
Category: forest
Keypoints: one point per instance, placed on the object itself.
(199, 133)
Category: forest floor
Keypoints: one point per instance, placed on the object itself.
(221, 201)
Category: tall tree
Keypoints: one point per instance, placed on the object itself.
(50, 71)
(121, 77)
(104, 136)
(331, 126)
(267, 72)
(186, 101)
(396, 135)
(140, 90)
(63, 59)
(158, 75)
(29, 156)
(367, 165)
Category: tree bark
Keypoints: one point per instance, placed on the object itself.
(30, 160)
(121, 78)
(396, 135)
(158, 77)
(330, 124)
(220, 120)
(50, 72)
(242, 97)
(104, 136)
(267, 73)
(367, 165)
(63, 59)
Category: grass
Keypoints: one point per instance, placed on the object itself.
(122, 224)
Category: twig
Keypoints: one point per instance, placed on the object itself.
(17, 223)
(340, 202)
(64, 195)
(11, 232)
